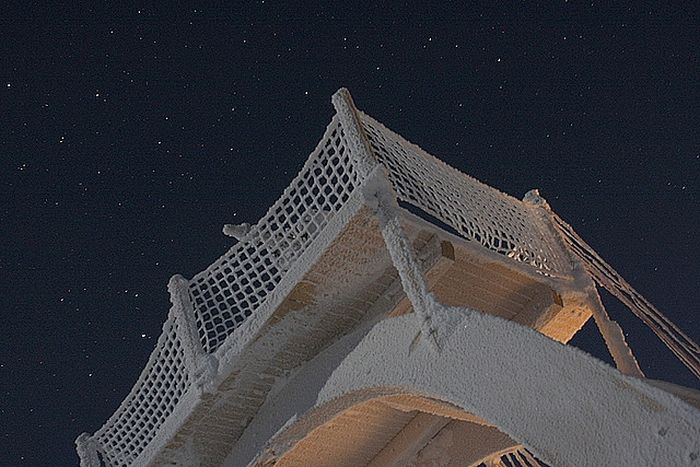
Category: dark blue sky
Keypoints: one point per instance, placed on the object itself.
(130, 135)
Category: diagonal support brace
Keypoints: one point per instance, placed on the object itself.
(380, 196)
(612, 333)
(614, 338)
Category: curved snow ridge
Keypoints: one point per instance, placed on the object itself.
(564, 405)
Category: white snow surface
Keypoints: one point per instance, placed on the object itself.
(564, 405)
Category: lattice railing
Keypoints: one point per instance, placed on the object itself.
(477, 211)
(153, 398)
(230, 290)
(209, 307)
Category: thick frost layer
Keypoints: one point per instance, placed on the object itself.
(567, 407)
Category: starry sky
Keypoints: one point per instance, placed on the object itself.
(130, 134)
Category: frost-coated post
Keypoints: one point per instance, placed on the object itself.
(380, 195)
(360, 150)
(539, 207)
(200, 364)
(614, 337)
(87, 451)
(612, 333)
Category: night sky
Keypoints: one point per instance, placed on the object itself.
(129, 136)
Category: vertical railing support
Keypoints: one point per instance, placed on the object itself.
(86, 448)
(201, 366)
(380, 196)
(541, 210)
(358, 144)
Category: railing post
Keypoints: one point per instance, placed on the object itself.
(201, 366)
(360, 149)
(541, 209)
(86, 447)
(612, 333)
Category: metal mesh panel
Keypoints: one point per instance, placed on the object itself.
(152, 399)
(480, 213)
(518, 457)
(230, 290)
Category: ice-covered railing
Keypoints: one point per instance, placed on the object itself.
(152, 399)
(230, 290)
(477, 211)
(209, 307)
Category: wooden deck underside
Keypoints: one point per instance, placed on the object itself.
(354, 280)
(397, 431)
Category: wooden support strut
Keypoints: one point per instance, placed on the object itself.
(687, 351)
(409, 441)
(377, 187)
(614, 338)
(404, 260)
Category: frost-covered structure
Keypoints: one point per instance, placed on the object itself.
(390, 310)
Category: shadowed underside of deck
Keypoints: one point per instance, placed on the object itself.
(398, 431)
